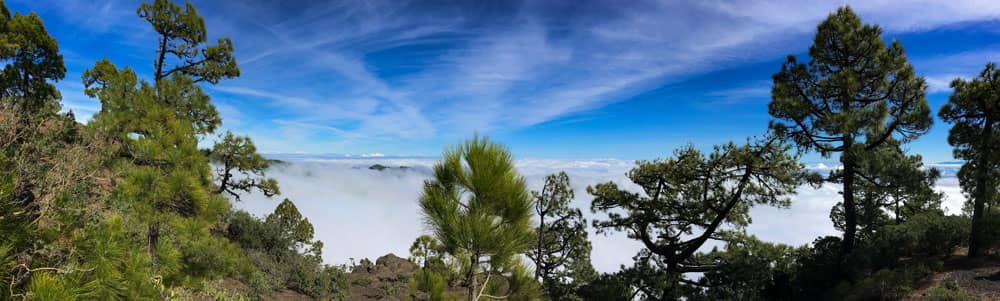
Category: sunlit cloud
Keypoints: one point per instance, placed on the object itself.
(359, 212)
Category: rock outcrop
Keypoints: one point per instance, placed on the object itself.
(387, 279)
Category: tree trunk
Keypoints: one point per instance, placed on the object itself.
(983, 192)
(473, 264)
(153, 237)
(850, 209)
(538, 258)
(899, 220)
(161, 57)
(225, 177)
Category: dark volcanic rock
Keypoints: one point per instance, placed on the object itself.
(387, 279)
(381, 167)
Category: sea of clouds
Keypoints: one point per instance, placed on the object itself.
(362, 213)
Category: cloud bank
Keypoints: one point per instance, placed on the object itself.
(358, 212)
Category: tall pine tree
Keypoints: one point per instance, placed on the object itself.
(855, 94)
(974, 110)
(562, 252)
(159, 125)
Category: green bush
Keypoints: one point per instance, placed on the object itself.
(991, 228)
(282, 250)
(432, 283)
(889, 284)
(949, 291)
(925, 236)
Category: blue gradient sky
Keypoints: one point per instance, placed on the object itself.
(552, 79)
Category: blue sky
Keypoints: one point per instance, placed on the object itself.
(551, 79)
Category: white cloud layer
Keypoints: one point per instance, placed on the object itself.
(358, 212)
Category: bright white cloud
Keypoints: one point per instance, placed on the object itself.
(358, 212)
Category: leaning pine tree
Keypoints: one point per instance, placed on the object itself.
(480, 209)
(855, 94)
(974, 109)
(690, 200)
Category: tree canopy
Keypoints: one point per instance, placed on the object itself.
(31, 62)
(974, 111)
(238, 154)
(480, 209)
(855, 94)
(687, 199)
(562, 252)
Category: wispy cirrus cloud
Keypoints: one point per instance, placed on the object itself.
(416, 71)
(760, 90)
(945, 68)
(503, 68)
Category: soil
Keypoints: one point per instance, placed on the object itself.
(977, 277)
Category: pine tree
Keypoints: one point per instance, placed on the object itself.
(562, 253)
(480, 209)
(166, 177)
(182, 33)
(854, 95)
(974, 110)
(891, 188)
(687, 200)
(425, 249)
(238, 154)
(32, 60)
(294, 228)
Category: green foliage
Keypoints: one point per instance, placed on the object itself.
(686, 200)
(891, 188)
(949, 291)
(562, 253)
(974, 110)
(238, 154)
(479, 207)
(282, 248)
(888, 284)
(854, 94)
(608, 287)
(929, 235)
(426, 251)
(888, 265)
(166, 179)
(991, 229)
(123, 208)
(521, 283)
(182, 33)
(293, 228)
(433, 283)
(31, 60)
(45, 287)
(437, 270)
(748, 269)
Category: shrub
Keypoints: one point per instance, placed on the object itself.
(889, 284)
(949, 291)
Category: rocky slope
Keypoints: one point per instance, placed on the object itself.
(387, 279)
